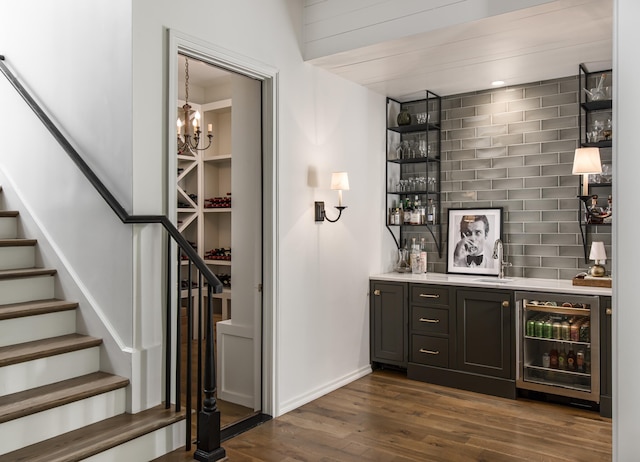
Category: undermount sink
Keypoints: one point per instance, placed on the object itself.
(494, 280)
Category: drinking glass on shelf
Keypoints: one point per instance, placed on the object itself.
(606, 174)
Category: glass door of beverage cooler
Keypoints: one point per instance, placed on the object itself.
(558, 344)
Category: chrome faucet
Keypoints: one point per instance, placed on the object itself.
(498, 253)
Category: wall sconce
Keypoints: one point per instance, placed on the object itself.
(599, 255)
(586, 161)
(339, 182)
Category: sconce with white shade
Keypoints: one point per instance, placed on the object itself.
(586, 161)
(599, 255)
(339, 182)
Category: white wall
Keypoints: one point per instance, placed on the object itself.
(75, 58)
(326, 124)
(626, 315)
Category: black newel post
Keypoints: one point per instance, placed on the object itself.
(209, 449)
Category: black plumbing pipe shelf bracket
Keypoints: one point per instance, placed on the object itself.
(208, 438)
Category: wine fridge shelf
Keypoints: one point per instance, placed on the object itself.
(560, 371)
(557, 340)
(559, 310)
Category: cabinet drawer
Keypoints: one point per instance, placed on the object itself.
(424, 294)
(432, 351)
(430, 320)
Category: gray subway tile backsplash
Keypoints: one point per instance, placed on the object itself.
(524, 127)
(551, 88)
(513, 148)
(507, 94)
(494, 108)
(543, 182)
(560, 100)
(540, 136)
(523, 104)
(542, 114)
(507, 117)
(523, 172)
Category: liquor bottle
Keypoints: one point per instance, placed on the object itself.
(407, 212)
(430, 216)
(433, 212)
(423, 255)
(415, 212)
(414, 257)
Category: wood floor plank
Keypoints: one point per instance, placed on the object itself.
(387, 417)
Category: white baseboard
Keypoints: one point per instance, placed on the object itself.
(295, 403)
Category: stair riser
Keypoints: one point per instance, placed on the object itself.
(8, 227)
(147, 447)
(44, 371)
(18, 257)
(26, 289)
(29, 328)
(34, 428)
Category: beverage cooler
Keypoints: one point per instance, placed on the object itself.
(558, 348)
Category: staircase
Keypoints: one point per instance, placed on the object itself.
(55, 403)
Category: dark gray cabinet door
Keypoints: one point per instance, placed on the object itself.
(485, 332)
(389, 321)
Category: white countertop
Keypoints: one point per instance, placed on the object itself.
(530, 284)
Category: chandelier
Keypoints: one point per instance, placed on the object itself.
(189, 142)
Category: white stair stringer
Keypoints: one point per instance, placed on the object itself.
(31, 429)
(26, 289)
(29, 328)
(44, 371)
(17, 257)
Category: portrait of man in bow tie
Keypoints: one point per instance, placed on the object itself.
(473, 250)
(471, 237)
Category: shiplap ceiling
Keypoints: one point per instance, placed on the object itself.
(539, 43)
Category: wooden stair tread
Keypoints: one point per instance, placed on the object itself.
(17, 242)
(19, 310)
(93, 439)
(9, 213)
(40, 399)
(25, 273)
(28, 351)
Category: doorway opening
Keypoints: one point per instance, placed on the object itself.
(219, 192)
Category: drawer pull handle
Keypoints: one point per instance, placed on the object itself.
(505, 304)
(376, 292)
(429, 352)
(433, 321)
(430, 295)
(609, 311)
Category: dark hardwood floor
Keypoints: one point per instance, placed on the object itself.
(387, 417)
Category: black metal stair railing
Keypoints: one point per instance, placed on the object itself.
(208, 428)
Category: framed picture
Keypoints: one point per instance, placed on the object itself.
(471, 236)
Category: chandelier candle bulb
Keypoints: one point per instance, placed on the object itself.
(209, 128)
